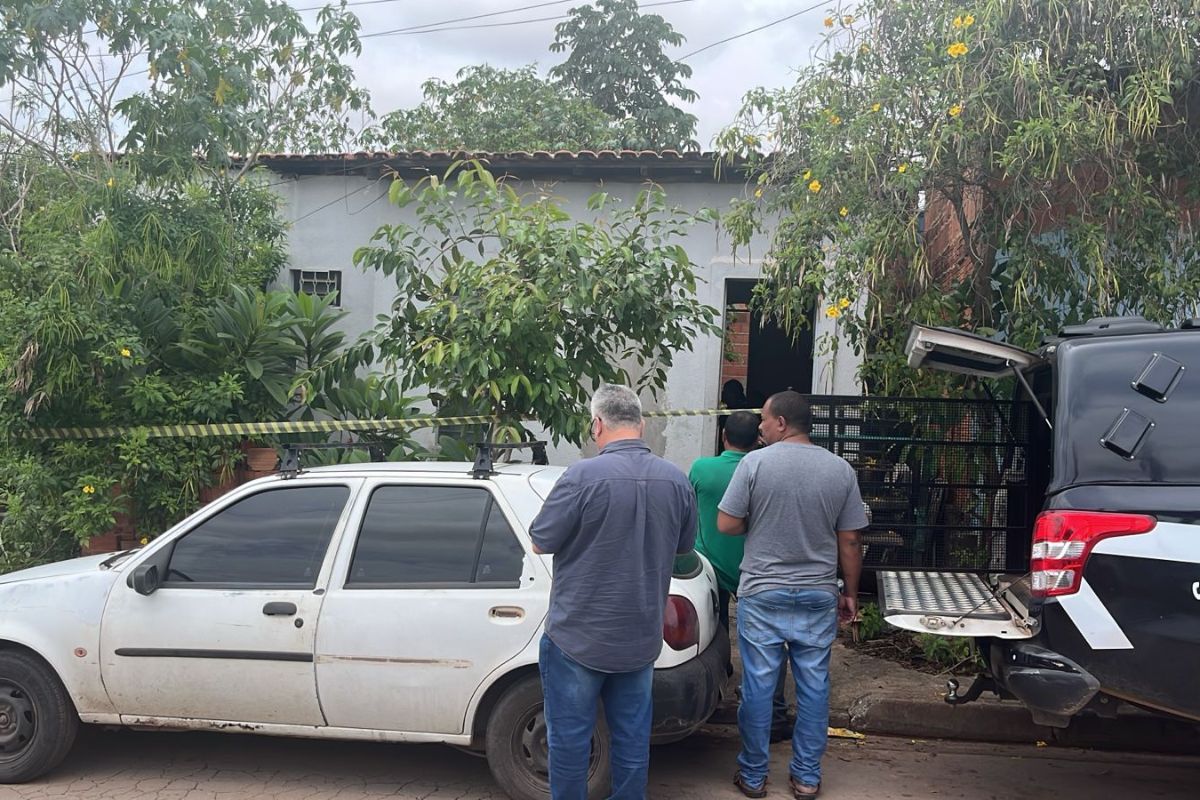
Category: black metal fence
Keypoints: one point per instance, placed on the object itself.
(949, 482)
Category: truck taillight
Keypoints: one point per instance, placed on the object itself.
(681, 624)
(1062, 541)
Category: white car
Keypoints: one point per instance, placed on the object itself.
(382, 602)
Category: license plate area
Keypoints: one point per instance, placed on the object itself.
(949, 604)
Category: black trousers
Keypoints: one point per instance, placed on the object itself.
(779, 715)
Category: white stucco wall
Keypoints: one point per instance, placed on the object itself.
(333, 216)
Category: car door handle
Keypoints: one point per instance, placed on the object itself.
(506, 612)
(280, 609)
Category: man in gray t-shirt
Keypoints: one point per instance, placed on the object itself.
(800, 509)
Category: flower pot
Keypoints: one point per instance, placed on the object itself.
(210, 493)
(260, 459)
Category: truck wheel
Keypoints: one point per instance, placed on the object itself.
(38, 722)
(518, 753)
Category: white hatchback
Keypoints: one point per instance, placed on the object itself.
(382, 602)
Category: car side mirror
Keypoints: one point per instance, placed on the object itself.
(144, 579)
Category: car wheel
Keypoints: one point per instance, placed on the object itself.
(518, 752)
(38, 721)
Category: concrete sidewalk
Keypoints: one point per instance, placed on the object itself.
(877, 696)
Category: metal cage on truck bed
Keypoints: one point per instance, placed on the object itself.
(951, 483)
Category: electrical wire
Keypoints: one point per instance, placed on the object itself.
(752, 30)
(449, 21)
(414, 30)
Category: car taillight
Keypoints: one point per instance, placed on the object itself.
(681, 623)
(1062, 541)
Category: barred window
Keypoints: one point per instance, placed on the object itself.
(318, 283)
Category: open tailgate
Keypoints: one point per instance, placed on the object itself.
(954, 604)
(965, 353)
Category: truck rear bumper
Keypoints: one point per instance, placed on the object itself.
(686, 696)
(1053, 687)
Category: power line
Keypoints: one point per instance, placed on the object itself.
(447, 21)
(752, 30)
(414, 30)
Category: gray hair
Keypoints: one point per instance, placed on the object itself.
(617, 406)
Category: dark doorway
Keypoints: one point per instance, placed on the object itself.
(775, 361)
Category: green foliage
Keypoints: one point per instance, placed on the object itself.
(948, 652)
(226, 78)
(616, 59)
(139, 304)
(508, 306)
(499, 111)
(1055, 142)
(871, 624)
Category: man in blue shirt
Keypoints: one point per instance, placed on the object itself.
(614, 524)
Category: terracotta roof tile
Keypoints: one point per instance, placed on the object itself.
(606, 163)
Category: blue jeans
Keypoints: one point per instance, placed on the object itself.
(801, 623)
(571, 693)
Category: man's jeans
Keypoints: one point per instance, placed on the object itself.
(802, 623)
(572, 692)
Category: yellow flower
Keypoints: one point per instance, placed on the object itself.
(844, 303)
(750, 140)
(903, 168)
(126, 352)
(75, 156)
(144, 540)
(958, 22)
(955, 110)
(807, 174)
(957, 49)
(758, 192)
(829, 22)
(864, 49)
(876, 106)
(834, 119)
(89, 489)
(833, 312)
(111, 183)
(847, 20)
(845, 212)
(968, 20)
(814, 186)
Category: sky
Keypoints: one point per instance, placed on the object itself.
(393, 67)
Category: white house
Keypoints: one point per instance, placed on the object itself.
(336, 202)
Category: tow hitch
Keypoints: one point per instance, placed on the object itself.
(982, 683)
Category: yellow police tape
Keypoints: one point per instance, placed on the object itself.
(225, 429)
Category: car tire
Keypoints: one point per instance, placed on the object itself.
(38, 721)
(517, 750)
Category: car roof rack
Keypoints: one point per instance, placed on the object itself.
(485, 456)
(289, 461)
(1110, 326)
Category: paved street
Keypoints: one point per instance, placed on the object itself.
(165, 766)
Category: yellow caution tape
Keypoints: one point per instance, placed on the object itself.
(226, 429)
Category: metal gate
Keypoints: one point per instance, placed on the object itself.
(949, 482)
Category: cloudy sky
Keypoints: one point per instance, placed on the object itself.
(393, 67)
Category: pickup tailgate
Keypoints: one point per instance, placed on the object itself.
(954, 604)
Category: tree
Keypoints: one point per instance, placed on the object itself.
(226, 79)
(616, 59)
(136, 243)
(1052, 146)
(498, 111)
(508, 307)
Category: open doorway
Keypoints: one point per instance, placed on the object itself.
(758, 354)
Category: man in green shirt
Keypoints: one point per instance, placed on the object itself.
(710, 478)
